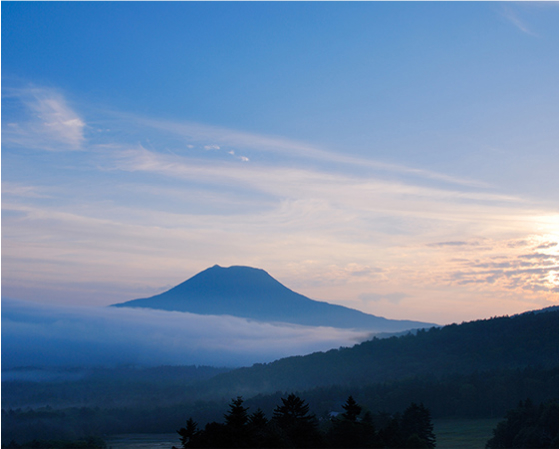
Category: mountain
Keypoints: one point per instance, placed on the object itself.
(252, 293)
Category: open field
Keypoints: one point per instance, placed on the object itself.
(463, 433)
(450, 434)
(143, 441)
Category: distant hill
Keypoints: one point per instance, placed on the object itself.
(546, 309)
(252, 293)
(504, 343)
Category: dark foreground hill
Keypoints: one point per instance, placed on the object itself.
(252, 293)
(528, 340)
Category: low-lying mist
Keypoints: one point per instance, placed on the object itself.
(39, 335)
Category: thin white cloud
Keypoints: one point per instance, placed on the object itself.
(49, 123)
(282, 146)
(53, 125)
(21, 190)
(509, 14)
(288, 182)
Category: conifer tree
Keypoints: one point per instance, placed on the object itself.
(352, 409)
(237, 417)
(347, 432)
(299, 426)
(417, 420)
(292, 411)
(258, 419)
(188, 432)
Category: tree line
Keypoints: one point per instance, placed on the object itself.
(529, 340)
(293, 426)
(478, 395)
(526, 426)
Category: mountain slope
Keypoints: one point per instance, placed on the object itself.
(252, 293)
(517, 342)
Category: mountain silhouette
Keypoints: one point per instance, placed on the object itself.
(252, 293)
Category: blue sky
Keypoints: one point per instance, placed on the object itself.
(399, 158)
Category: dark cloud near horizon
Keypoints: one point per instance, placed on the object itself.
(450, 244)
(40, 335)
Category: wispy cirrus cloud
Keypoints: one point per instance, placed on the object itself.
(45, 120)
(12, 189)
(513, 18)
(281, 146)
(288, 181)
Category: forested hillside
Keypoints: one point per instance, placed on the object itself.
(124, 386)
(483, 345)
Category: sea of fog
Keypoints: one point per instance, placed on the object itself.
(41, 335)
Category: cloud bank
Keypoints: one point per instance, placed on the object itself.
(47, 336)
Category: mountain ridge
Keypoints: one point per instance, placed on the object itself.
(254, 294)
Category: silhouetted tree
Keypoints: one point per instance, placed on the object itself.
(258, 419)
(527, 426)
(416, 421)
(237, 417)
(262, 434)
(300, 428)
(214, 435)
(292, 426)
(292, 411)
(352, 409)
(236, 431)
(390, 435)
(188, 432)
(347, 432)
